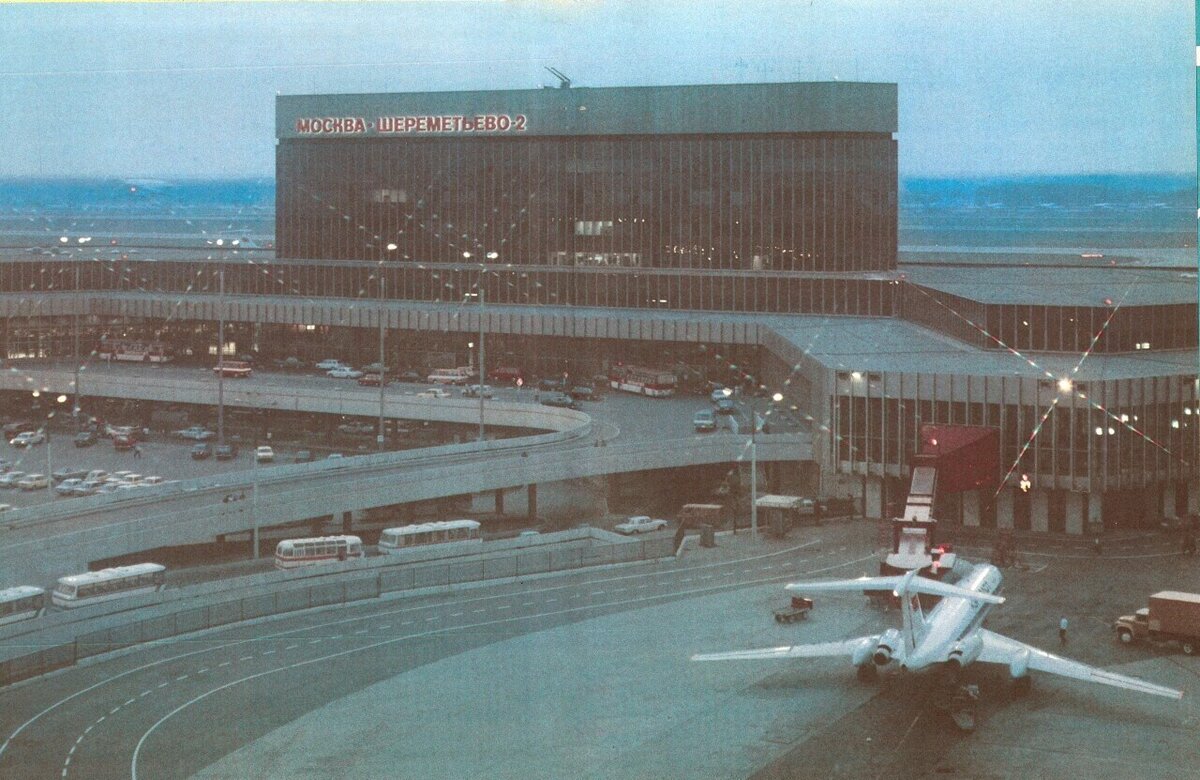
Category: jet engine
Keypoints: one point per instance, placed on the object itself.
(886, 646)
(966, 651)
(1020, 665)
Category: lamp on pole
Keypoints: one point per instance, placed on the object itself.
(254, 500)
(382, 367)
(220, 356)
(482, 371)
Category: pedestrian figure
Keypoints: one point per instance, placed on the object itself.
(137, 451)
(1062, 631)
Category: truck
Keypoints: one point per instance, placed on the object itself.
(1171, 616)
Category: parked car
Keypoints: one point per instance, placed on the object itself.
(289, 364)
(9, 479)
(13, 428)
(87, 487)
(28, 439)
(583, 393)
(123, 443)
(373, 380)
(564, 401)
(506, 374)
(434, 392)
(344, 372)
(639, 524)
(704, 420)
(68, 472)
(99, 474)
(67, 486)
(303, 456)
(264, 454)
(552, 384)
(108, 487)
(472, 391)
(196, 433)
(85, 439)
(329, 364)
(726, 406)
(201, 451)
(335, 456)
(34, 482)
(375, 368)
(226, 451)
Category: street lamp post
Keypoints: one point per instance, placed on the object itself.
(382, 367)
(482, 371)
(220, 356)
(254, 500)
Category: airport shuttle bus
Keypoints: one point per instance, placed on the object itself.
(20, 603)
(233, 368)
(449, 376)
(643, 381)
(131, 351)
(293, 553)
(79, 590)
(460, 535)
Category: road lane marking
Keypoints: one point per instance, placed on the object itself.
(456, 614)
(315, 641)
(362, 631)
(181, 678)
(430, 619)
(268, 652)
(291, 647)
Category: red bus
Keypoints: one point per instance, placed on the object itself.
(234, 368)
(643, 381)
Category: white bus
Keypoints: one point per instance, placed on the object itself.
(449, 376)
(291, 553)
(93, 587)
(133, 351)
(235, 368)
(451, 534)
(21, 602)
(643, 381)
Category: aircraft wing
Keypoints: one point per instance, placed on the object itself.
(910, 583)
(845, 647)
(998, 649)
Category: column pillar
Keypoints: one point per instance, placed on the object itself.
(1039, 510)
(873, 497)
(531, 493)
(1166, 500)
(1075, 507)
(500, 501)
(970, 508)
(1092, 514)
(1004, 508)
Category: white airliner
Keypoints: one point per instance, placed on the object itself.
(952, 636)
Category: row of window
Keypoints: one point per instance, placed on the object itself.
(796, 202)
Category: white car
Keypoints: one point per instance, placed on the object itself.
(34, 482)
(344, 372)
(264, 454)
(28, 438)
(434, 392)
(639, 524)
(473, 391)
(153, 480)
(329, 364)
(67, 486)
(196, 433)
(11, 478)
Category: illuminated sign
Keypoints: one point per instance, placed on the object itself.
(396, 125)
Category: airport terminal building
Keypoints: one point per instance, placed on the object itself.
(717, 231)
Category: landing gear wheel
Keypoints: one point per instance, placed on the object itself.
(867, 672)
(1022, 685)
(1125, 635)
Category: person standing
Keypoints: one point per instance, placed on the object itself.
(1062, 631)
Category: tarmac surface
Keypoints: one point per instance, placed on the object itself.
(615, 696)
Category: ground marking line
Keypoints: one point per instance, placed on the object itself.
(439, 631)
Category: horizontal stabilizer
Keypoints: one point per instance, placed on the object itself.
(823, 649)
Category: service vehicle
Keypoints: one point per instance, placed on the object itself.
(704, 420)
(133, 351)
(201, 451)
(85, 439)
(292, 553)
(196, 433)
(1172, 616)
(344, 372)
(643, 381)
(797, 609)
(639, 524)
(264, 454)
(92, 587)
(450, 376)
(28, 439)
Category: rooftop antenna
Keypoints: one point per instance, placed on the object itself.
(564, 81)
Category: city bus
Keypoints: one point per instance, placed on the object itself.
(21, 603)
(133, 351)
(449, 376)
(92, 587)
(292, 553)
(643, 381)
(234, 368)
(442, 534)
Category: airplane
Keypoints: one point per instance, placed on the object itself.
(950, 638)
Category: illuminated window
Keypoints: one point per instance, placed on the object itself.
(594, 228)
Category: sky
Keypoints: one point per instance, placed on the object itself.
(987, 88)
